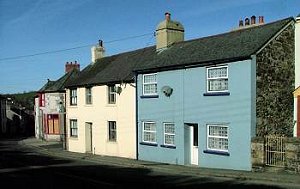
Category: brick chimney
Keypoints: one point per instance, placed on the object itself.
(70, 66)
(97, 51)
(253, 20)
(261, 20)
(168, 32)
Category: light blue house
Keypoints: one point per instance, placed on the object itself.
(200, 101)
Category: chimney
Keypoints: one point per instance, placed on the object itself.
(168, 32)
(70, 66)
(247, 22)
(253, 20)
(241, 23)
(97, 51)
(261, 20)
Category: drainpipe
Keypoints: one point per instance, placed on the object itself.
(136, 117)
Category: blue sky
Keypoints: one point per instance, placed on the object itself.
(41, 27)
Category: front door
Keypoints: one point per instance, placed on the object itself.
(191, 143)
(88, 137)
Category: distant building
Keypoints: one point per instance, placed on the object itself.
(50, 106)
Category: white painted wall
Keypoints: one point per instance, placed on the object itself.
(297, 66)
(99, 113)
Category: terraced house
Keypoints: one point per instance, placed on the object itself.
(50, 106)
(101, 106)
(197, 102)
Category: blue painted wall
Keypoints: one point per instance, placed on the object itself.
(187, 104)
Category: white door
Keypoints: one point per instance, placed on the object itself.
(194, 144)
(88, 137)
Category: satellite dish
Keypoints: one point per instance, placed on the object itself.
(118, 89)
(167, 90)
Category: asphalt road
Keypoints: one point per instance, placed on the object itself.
(23, 167)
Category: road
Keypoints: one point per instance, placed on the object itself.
(23, 167)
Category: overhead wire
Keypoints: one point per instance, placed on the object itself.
(72, 48)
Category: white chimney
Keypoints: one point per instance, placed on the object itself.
(97, 51)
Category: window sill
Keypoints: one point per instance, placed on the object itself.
(216, 152)
(168, 146)
(216, 94)
(148, 144)
(149, 96)
(74, 137)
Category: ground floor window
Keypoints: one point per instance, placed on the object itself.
(112, 131)
(73, 128)
(149, 132)
(169, 133)
(217, 137)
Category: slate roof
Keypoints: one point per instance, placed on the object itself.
(231, 46)
(59, 85)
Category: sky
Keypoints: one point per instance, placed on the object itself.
(37, 37)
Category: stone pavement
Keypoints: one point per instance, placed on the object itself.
(279, 178)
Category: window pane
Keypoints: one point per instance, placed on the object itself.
(218, 85)
(150, 88)
(169, 128)
(217, 72)
(150, 78)
(217, 138)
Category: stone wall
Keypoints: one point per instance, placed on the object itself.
(275, 84)
(292, 154)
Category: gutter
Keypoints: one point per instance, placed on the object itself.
(136, 117)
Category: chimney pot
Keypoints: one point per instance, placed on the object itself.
(100, 42)
(168, 16)
(247, 21)
(260, 19)
(241, 23)
(253, 19)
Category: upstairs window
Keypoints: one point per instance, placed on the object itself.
(217, 137)
(217, 79)
(149, 132)
(42, 100)
(88, 95)
(149, 84)
(111, 94)
(73, 97)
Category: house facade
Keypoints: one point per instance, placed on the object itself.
(200, 102)
(3, 119)
(50, 106)
(101, 107)
(297, 79)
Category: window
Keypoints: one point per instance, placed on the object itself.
(149, 132)
(42, 99)
(73, 97)
(112, 131)
(169, 134)
(73, 128)
(88, 95)
(149, 84)
(217, 137)
(111, 94)
(217, 79)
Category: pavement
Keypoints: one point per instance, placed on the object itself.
(258, 176)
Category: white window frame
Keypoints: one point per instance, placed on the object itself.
(88, 95)
(216, 78)
(112, 130)
(73, 128)
(166, 134)
(149, 83)
(218, 137)
(73, 97)
(150, 132)
(111, 91)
